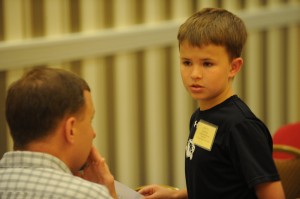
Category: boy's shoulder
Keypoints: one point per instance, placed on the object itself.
(232, 109)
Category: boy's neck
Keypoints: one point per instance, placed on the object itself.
(210, 103)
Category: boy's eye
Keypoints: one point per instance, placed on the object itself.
(187, 63)
(207, 64)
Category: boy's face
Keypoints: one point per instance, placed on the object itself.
(207, 73)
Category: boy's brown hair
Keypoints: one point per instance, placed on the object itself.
(214, 26)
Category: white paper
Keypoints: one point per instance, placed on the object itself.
(124, 192)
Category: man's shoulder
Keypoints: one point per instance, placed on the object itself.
(43, 181)
(42, 195)
(31, 195)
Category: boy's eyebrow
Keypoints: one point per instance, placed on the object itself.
(207, 59)
(202, 59)
(184, 59)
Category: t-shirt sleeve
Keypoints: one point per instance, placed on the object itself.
(251, 152)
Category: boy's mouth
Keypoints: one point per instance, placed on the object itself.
(196, 88)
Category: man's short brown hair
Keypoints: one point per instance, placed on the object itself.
(39, 100)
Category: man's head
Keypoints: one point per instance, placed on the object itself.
(214, 26)
(37, 102)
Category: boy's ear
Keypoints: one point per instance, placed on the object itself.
(70, 129)
(236, 66)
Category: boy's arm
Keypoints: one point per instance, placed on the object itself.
(160, 192)
(182, 194)
(271, 190)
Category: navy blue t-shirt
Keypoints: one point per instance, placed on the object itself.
(240, 155)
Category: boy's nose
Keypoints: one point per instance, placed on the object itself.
(197, 72)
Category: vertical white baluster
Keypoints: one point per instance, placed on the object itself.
(275, 78)
(254, 68)
(126, 99)
(94, 71)
(182, 102)
(293, 71)
(206, 3)
(233, 6)
(56, 22)
(15, 29)
(155, 73)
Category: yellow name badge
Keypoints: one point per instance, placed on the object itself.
(205, 134)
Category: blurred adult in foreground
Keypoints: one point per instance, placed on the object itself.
(49, 113)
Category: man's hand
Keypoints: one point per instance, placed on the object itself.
(96, 170)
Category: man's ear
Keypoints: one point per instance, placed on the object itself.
(70, 129)
(236, 66)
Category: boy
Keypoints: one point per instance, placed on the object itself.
(229, 150)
